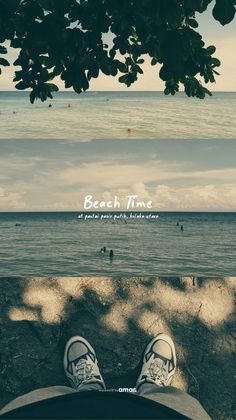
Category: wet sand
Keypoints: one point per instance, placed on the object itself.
(119, 316)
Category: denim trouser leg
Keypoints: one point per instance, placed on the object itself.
(174, 398)
(45, 393)
(168, 396)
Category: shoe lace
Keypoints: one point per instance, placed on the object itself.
(82, 370)
(158, 371)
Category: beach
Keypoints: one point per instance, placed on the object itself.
(119, 315)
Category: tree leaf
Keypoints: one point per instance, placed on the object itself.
(224, 11)
(52, 87)
(123, 79)
(4, 62)
(67, 36)
(215, 62)
(121, 66)
(154, 61)
(3, 50)
(211, 50)
(193, 23)
(22, 85)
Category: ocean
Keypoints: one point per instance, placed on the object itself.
(60, 244)
(117, 115)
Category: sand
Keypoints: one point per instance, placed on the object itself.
(119, 316)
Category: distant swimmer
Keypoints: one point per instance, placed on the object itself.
(111, 255)
(182, 228)
(17, 224)
(101, 250)
(177, 224)
(104, 249)
(50, 106)
(68, 105)
(129, 130)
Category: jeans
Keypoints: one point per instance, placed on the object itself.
(169, 396)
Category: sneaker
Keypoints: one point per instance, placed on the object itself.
(80, 363)
(159, 362)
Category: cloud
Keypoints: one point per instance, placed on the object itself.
(35, 183)
(199, 197)
(11, 200)
(208, 197)
(109, 175)
(19, 163)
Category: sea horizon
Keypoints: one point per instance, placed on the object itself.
(117, 211)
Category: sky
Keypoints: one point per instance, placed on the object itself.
(51, 175)
(224, 38)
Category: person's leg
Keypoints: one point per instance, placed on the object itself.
(37, 395)
(159, 365)
(81, 369)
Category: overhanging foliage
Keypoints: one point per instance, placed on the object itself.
(65, 38)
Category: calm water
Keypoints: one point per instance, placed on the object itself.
(60, 244)
(108, 115)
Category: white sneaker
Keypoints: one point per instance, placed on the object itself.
(80, 363)
(159, 362)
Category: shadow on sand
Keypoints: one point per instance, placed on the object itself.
(119, 316)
